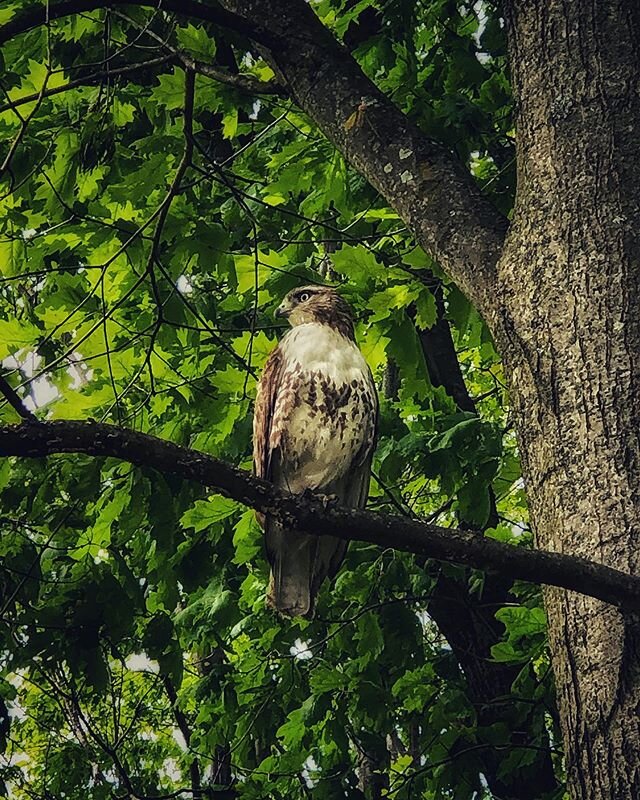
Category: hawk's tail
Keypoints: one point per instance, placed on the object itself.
(291, 555)
(299, 563)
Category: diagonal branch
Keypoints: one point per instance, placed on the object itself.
(14, 400)
(185, 730)
(86, 80)
(313, 514)
(183, 166)
(244, 83)
(424, 181)
(240, 81)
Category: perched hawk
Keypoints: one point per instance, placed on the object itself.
(314, 428)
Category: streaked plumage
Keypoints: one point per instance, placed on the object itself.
(313, 428)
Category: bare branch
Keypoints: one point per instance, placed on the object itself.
(312, 514)
(183, 166)
(87, 80)
(244, 83)
(24, 124)
(185, 730)
(14, 400)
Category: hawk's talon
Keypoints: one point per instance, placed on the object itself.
(328, 500)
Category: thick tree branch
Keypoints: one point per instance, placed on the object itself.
(429, 187)
(36, 15)
(310, 513)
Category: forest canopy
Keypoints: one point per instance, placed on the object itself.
(160, 193)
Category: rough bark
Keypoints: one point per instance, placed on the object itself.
(373, 778)
(570, 336)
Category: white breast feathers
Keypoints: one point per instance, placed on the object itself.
(330, 423)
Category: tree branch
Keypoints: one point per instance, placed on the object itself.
(14, 400)
(312, 514)
(429, 187)
(240, 81)
(84, 81)
(244, 83)
(431, 190)
(185, 730)
(40, 14)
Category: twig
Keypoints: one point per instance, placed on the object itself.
(245, 83)
(183, 166)
(183, 725)
(87, 80)
(15, 401)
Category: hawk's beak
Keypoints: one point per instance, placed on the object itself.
(283, 311)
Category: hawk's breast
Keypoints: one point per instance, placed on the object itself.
(324, 420)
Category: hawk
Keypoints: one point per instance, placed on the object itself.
(314, 428)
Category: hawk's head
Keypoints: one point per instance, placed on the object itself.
(317, 304)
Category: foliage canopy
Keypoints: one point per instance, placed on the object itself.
(151, 219)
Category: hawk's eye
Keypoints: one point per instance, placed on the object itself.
(303, 297)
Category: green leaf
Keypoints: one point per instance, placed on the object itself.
(230, 123)
(426, 310)
(206, 513)
(324, 679)
(293, 731)
(247, 538)
(15, 335)
(197, 41)
(369, 639)
(358, 263)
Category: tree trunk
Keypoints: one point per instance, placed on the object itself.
(569, 330)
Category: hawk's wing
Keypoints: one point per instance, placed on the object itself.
(263, 415)
(290, 553)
